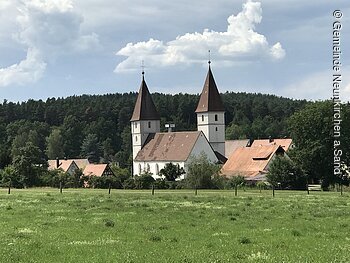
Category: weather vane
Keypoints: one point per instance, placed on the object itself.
(209, 57)
(143, 67)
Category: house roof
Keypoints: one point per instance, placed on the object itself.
(144, 106)
(210, 99)
(250, 161)
(63, 164)
(170, 146)
(284, 143)
(95, 169)
(232, 145)
(81, 163)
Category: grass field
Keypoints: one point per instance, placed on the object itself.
(41, 225)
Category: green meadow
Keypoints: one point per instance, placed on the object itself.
(85, 225)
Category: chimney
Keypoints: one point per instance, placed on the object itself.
(270, 139)
(170, 126)
(57, 162)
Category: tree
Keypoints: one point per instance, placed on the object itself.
(144, 181)
(171, 171)
(285, 174)
(91, 148)
(200, 171)
(29, 164)
(55, 145)
(72, 136)
(11, 178)
(311, 130)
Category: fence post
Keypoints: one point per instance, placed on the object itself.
(236, 190)
(109, 188)
(195, 190)
(152, 189)
(9, 191)
(61, 187)
(273, 191)
(341, 189)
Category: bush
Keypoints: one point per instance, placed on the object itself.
(285, 174)
(144, 181)
(129, 184)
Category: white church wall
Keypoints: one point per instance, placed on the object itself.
(202, 145)
(153, 167)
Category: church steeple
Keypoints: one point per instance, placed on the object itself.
(144, 106)
(211, 114)
(145, 118)
(210, 99)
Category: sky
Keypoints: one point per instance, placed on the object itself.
(60, 48)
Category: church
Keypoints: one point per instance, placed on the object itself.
(153, 149)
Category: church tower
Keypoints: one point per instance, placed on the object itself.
(211, 114)
(145, 118)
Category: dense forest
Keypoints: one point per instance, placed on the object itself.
(97, 126)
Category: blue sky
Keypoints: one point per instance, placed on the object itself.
(59, 48)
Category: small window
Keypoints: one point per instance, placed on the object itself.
(216, 128)
(149, 124)
(202, 117)
(216, 117)
(140, 169)
(135, 125)
(148, 168)
(135, 138)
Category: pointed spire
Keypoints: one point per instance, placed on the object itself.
(144, 107)
(210, 99)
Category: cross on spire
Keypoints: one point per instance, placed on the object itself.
(209, 57)
(143, 67)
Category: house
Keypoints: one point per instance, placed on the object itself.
(174, 147)
(81, 163)
(232, 145)
(152, 149)
(97, 170)
(251, 162)
(67, 166)
(286, 143)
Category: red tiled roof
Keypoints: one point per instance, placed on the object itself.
(170, 146)
(250, 161)
(232, 145)
(284, 143)
(95, 169)
(63, 164)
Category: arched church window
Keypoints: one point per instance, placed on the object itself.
(140, 169)
(149, 124)
(216, 128)
(157, 169)
(202, 117)
(135, 138)
(216, 117)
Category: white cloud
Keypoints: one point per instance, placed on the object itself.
(319, 86)
(28, 70)
(48, 28)
(239, 43)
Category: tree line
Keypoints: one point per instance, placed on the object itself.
(97, 126)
